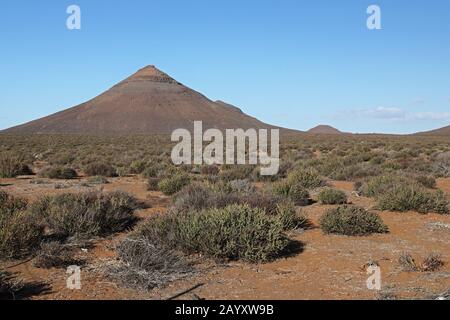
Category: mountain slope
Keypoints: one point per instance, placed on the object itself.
(148, 102)
(438, 132)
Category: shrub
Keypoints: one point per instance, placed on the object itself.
(12, 165)
(306, 178)
(236, 232)
(427, 181)
(351, 221)
(209, 170)
(170, 186)
(97, 180)
(153, 170)
(138, 166)
(378, 186)
(195, 197)
(432, 263)
(152, 184)
(100, 169)
(86, 214)
(58, 173)
(146, 265)
(290, 218)
(243, 187)
(293, 191)
(54, 255)
(407, 263)
(332, 196)
(20, 231)
(236, 172)
(441, 165)
(413, 197)
(403, 194)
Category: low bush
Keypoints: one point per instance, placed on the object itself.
(209, 170)
(243, 187)
(332, 196)
(290, 218)
(407, 263)
(236, 172)
(198, 196)
(20, 231)
(86, 214)
(413, 197)
(152, 184)
(171, 185)
(97, 180)
(153, 170)
(307, 178)
(402, 194)
(100, 169)
(145, 265)
(426, 181)
(351, 221)
(12, 165)
(433, 262)
(54, 255)
(58, 173)
(236, 232)
(291, 190)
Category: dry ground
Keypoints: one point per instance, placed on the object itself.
(327, 267)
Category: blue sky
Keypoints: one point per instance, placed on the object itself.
(292, 63)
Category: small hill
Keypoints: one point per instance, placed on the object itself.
(438, 132)
(324, 129)
(148, 102)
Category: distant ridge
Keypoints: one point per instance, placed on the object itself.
(324, 129)
(445, 131)
(148, 102)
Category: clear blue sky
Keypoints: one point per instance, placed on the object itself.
(292, 63)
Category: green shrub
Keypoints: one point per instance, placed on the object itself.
(97, 180)
(404, 197)
(138, 166)
(153, 170)
(291, 190)
(351, 221)
(20, 231)
(58, 173)
(332, 196)
(86, 214)
(236, 172)
(306, 178)
(378, 186)
(290, 218)
(100, 169)
(171, 185)
(236, 232)
(12, 165)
